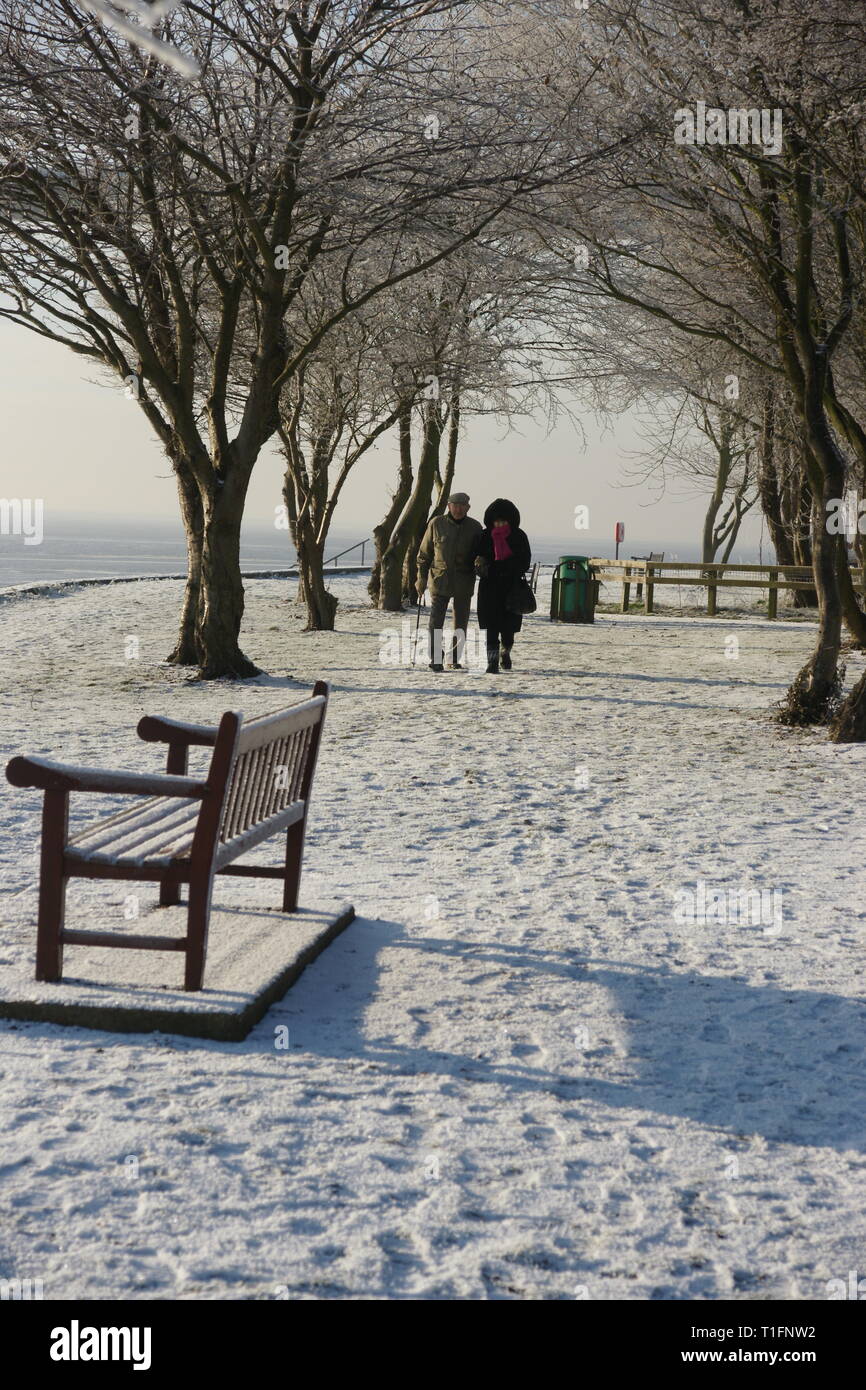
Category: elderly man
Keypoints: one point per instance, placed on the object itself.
(446, 556)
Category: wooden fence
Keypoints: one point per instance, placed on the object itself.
(711, 577)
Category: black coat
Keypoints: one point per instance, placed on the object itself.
(495, 586)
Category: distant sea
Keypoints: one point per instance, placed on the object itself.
(106, 547)
(115, 548)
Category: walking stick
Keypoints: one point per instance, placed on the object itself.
(417, 626)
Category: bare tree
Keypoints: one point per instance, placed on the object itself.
(165, 229)
(754, 244)
(333, 411)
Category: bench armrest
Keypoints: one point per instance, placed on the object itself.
(48, 776)
(154, 729)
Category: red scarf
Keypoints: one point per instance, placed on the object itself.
(501, 548)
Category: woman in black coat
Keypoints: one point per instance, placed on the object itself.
(501, 554)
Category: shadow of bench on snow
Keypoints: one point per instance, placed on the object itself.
(748, 1059)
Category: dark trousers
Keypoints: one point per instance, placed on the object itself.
(457, 638)
(502, 633)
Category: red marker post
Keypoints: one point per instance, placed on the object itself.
(619, 535)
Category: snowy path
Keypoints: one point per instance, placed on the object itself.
(516, 1076)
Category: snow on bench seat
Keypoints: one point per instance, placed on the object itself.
(156, 832)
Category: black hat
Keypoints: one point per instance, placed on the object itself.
(502, 510)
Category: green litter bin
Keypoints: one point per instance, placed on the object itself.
(575, 591)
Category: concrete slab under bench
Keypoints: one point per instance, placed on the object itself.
(253, 956)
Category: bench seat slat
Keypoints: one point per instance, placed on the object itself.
(159, 831)
(132, 818)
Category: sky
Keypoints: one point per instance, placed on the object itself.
(76, 441)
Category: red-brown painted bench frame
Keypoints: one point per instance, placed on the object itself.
(239, 809)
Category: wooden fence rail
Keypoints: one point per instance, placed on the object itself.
(712, 577)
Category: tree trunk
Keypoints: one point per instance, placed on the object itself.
(411, 523)
(292, 514)
(432, 444)
(768, 486)
(447, 480)
(855, 618)
(860, 535)
(713, 534)
(221, 605)
(185, 652)
(410, 560)
(306, 494)
(797, 517)
(814, 694)
(736, 523)
(383, 532)
(723, 472)
(321, 605)
(708, 548)
(849, 724)
(771, 505)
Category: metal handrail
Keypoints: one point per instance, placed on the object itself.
(362, 544)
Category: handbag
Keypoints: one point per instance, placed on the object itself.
(520, 598)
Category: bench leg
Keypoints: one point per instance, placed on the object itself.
(197, 919)
(52, 887)
(294, 860)
(169, 892)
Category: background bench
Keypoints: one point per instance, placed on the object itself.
(653, 557)
(258, 784)
(713, 576)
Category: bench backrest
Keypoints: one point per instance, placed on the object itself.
(273, 767)
(259, 770)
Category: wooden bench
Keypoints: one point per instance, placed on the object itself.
(258, 784)
(653, 557)
(713, 576)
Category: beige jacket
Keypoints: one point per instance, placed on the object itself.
(446, 555)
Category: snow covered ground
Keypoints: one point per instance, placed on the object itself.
(523, 1072)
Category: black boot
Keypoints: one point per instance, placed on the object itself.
(493, 663)
(505, 658)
